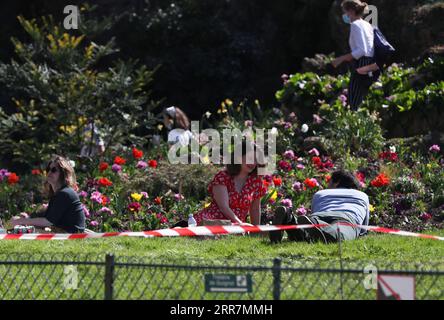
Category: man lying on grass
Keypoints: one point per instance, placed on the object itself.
(341, 202)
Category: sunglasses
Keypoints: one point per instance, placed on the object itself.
(53, 170)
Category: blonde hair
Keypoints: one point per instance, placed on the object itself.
(67, 175)
(358, 7)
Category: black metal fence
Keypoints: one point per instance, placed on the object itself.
(109, 277)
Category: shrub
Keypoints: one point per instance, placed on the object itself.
(354, 132)
(58, 89)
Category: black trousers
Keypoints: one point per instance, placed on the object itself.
(359, 83)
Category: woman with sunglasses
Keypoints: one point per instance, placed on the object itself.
(65, 211)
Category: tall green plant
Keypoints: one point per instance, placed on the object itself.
(60, 83)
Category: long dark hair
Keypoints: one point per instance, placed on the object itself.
(180, 119)
(234, 169)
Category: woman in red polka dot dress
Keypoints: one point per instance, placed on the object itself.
(236, 192)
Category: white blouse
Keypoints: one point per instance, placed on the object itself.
(361, 39)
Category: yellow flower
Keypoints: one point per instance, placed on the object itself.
(228, 102)
(205, 159)
(136, 196)
(207, 204)
(159, 127)
(274, 195)
(371, 208)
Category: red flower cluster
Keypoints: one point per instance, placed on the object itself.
(380, 181)
(277, 181)
(388, 155)
(152, 163)
(162, 218)
(13, 178)
(322, 165)
(137, 154)
(103, 166)
(311, 183)
(158, 200)
(134, 206)
(360, 176)
(105, 200)
(104, 182)
(120, 161)
(285, 165)
(36, 172)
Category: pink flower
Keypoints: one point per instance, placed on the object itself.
(343, 99)
(300, 166)
(94, 223)
(314, 152)
(116, 168)
(144, 194)
(178, 197)
(24, 215)
(317, 119)
(106, 210)
(97, 197)
(425, 216)
(287, 203)
(435, 148)
(301, 211)
(85, 211)
(297, 186)
(141, 165)
(83, 194)
(289, 154)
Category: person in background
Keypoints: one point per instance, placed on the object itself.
(178, 126)
(341, 202)
(93, 144)
(361, 41)
(64, 211)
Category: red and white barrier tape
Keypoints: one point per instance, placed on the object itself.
(201, 231)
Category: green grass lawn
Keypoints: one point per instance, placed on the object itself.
(46, 282)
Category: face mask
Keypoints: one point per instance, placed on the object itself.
(346, 18)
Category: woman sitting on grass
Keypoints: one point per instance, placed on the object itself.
(236, 191)
(65, 210)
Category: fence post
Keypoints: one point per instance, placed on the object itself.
(109, 276)
(277, 263)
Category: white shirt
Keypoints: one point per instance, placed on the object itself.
(361, 39)
(180, 137)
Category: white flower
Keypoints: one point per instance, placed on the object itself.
(377, 85)
(72, 163)
(301, 84)
(304, 128)
(385, 106)
(274, 131)
(208, 114)
(392, 149)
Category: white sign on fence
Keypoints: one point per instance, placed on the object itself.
(396, 287)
